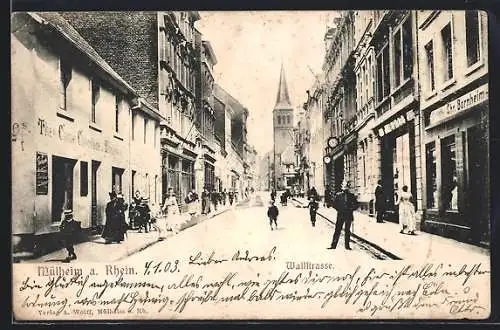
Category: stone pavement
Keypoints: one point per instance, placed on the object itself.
(95, 250)
(423, 247)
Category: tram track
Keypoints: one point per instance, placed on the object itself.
(364, 245)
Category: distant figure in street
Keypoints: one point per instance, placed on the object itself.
(406, 211)
(284, 198)
(273, 195)
(133, 213)
(272, 214)
(69, 230)
(313, 209)
(231, 197)
(224, 196)
(205, 201)
(312, 193)
(171, 210)
(380, 201)
(191, 201)
(328, 201)
(144, 215)
(214, 196)
(115, 226)
(345, 203)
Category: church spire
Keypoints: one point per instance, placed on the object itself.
(283, 99)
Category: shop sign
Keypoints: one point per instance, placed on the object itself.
(42, 173)
(396, 123)
(460, 104)
(69, 135)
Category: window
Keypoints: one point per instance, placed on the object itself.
(429, 53)
(145, 130)
(65, 72)
(95, 99)
(449, 173)
(447, 52)
(383, 83)
(360, 82)
(288, 120)
(117, 113)
(472, 37)
(431, 169)
(397, 58)
(84, 178)
(403, 56)
(279, 120)
(116, 179)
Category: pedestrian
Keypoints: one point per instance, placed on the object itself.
(133, 213)
(231, 198)
(312, 193)
(328, 197)
(380, 202)
(171, 210)
(313, 209)
(407, 218)
(345, 203)
(273, 195)
(214, 196)
(69, 230)
(284, 198)
(224, 196)
(205, 201)
(121, 208)
(144, 215)
(113, 231)
(272, 214)
(192, 201)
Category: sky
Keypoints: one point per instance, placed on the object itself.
(250, 47)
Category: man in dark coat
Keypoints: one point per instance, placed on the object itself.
(313, 209)
(272, 214)
(345, 203)
(205, 201)
(69, 229)
(114, 228)
(380, 202)
(328, 196)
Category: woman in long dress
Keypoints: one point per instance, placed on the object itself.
(407, 217)
(171, 210)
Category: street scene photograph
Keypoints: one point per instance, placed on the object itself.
(297, 143)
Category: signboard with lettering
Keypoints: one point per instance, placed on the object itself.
(396, 123)
(459, 105)
(42, 174)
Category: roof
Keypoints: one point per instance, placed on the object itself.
(283, 98)
(66, 31)
(208, 47)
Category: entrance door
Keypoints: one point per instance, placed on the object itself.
(338, 167)
(62, 186)
(478, 192)
(94, 216)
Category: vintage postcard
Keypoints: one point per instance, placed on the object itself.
(250, 165)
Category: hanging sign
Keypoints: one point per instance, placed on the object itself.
(42, 174)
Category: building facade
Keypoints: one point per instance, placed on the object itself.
(74, 120)
(453, 62)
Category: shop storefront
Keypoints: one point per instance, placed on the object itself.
(456, 171)
(178, 173)
(397, 158)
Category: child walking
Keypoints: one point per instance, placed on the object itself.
(272, 213)
(69, 229)
(313, 209)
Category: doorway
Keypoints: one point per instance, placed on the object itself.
(62, 186)
(94, 215)
(478, 188)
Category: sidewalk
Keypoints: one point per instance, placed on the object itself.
(95, 250)
(423, 247)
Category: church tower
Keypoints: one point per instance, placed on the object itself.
(283, 149)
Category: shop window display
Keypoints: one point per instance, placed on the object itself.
(449, 174)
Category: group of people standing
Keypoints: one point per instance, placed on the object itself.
(345, 203)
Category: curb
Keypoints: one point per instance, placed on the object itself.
(383, 250)
(147, 245)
